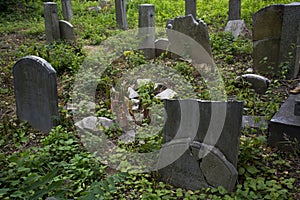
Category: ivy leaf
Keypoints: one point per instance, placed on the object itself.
(252, 170)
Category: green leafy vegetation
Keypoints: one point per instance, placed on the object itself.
(34, 165)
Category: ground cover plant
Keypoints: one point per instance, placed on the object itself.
(34, 165)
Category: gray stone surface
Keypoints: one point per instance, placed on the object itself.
(234, 10)
(166, 94)
(237, 28)
(66, 30)
(128, 137)
(182, 27)
(132, 93)
(297, 106)
(257, 123)
(216, 169)
(147, 30)
(285, 126)
(290, 38)
(51, 22)
(94, 124)
(276, 37)
(36, 92)
(161, 46)
(259, 83)
(67, 9)
(121, 16)
(207, 122)
(190, 8)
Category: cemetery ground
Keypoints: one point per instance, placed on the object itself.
(35, 165)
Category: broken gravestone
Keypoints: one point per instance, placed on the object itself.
(259, 83)
(210, 140)
(276, 38)
(36, 92)
(187, 26)
(237, 28)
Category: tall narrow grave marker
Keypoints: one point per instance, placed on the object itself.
(121, 14)
(51, 21)
(67, 9)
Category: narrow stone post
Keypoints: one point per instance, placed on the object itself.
(121, 14)
(234, 10)
(147, 30)
(51, 21)
(297, 106)
(190, 8)
(67, 9)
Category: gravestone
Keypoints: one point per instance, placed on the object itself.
(284, 129)
(66, 30)
(161, 46)
(234, 10)
(51, 22)
(190, 8)
(121, 14)
(211, 140)
(237, 28)
(276, 38)
(187, 26)
(67, 9)
(36, 92)
(147, 30)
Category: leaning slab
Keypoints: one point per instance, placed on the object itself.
(66, 30)
(36, 92)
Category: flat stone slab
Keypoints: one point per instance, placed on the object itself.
(237, 28)
(256, 122)
(285, 126)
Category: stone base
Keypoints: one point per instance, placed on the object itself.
(284, 129)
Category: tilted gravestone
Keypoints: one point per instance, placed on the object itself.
(187, 26)
(210, 141)
(51, 21)
(147, 30)
(67, 9)
(276, 38)
(36, 92)
(66, 30)
(121, 14)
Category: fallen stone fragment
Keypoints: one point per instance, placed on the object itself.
(128, 137)
(132, 93)
(259, 83)
(166, 94)
(94, 124)
(237, 28)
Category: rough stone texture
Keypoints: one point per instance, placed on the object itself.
(256, 123)
(166, 94)
(237, 28)
(234, 10)
(51, 22)
(66, 30)
(67, 9)
(132, 93)
(202, 156)
(285, 126)
(93, 124)
(290, 38)
(297, 106)
(276, 37)
(147, 30)
(128, 137)
(187, 26)
(36, 92)
(161, 46)
(190, 8)
(121, 14)
(259, 83)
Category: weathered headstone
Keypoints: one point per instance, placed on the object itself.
(190, 8)
(66, 30)
(67, 9)
(36, 92)
(212, 142)
(121, 14)
(284, 129)
(187, 26)
(147, 30)
(276, 38)
(234, 10)
(51, 22)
